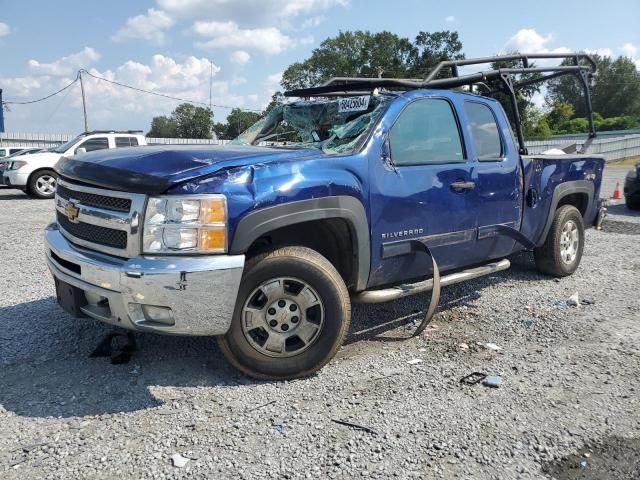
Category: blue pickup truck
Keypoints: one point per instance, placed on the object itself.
(372, 189)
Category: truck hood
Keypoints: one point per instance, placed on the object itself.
(48, 158)
(153, 170)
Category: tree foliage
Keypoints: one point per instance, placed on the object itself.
(616, 91)
(237, 122)
(366, 54)
(186, 121)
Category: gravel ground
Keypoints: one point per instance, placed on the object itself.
(568, 405)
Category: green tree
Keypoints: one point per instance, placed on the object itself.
(616, 91)
(366, 54)
(163, 127)
(560, 113)
(186, 121)
(192, 121)
(239, 120)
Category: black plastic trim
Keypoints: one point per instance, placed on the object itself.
(260, 222)
(561, 191)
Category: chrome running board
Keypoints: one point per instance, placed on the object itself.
(400, 291)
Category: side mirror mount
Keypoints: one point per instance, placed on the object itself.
(80, 150)
(385, 152)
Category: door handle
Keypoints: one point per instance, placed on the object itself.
(462, 186)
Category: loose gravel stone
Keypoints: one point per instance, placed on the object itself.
(569, 381)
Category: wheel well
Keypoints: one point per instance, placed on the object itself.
(333, 238)
(37, 170)
(578, 200)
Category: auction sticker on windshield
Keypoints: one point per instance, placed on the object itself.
(353, 104)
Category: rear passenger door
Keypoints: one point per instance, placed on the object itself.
(495, 164)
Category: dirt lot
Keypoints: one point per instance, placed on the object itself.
(568, 406)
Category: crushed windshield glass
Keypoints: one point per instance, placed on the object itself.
(334, 126)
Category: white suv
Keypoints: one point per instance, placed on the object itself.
(34, 174)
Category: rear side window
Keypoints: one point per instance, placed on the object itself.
(97, 143)
(425, 133)
(14, 150)
(484, 131)
(126, 142)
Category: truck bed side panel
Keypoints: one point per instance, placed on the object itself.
(550, 178)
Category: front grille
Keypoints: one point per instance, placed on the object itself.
(108, 237)
(94, 200)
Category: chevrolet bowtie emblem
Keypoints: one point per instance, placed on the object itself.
(71, 211)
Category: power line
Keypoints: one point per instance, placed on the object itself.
(164, 95)
(11, 102)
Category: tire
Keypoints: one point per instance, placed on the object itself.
(561, 252)
(42, 184)
(632, 205)
(294, 275)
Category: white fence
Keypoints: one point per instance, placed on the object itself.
(612, 148)
(13, 139)
(615, 148)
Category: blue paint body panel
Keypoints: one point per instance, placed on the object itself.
(416, 201)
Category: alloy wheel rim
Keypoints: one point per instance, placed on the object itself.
(46, 184)
(282, 317)
(569, 242)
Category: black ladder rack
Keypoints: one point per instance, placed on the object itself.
(582, 66)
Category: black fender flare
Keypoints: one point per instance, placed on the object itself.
(561, 191)
(260, 222)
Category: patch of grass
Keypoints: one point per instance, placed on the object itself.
(624, 162)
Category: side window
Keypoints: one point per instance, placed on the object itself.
(426, 132)
(14, 150)
(484, 131)
(97, 143)
(126, 142)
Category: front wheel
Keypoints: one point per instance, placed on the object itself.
(291, 317)
(42, 184)
(561, 252)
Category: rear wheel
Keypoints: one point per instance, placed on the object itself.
(561, 252)
(42, 184)
(291, 317)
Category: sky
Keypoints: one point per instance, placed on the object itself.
(173, 46)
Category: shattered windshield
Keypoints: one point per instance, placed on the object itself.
(334, 125)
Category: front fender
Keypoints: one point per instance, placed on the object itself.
(260, 222)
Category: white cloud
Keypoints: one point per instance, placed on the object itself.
(273, 82)
(149, 26)
(228, 34)
(66, 65)
(629, 50)
(5, 29)
(603, 52)
(450, 19)
(112, 106)
(240, 57)
(312, 22)
(527, 40)
(251, 12)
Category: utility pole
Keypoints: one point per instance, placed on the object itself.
(210, 84)
(84, 103)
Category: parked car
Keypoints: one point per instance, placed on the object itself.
(35, 174)
(632, 188)
(6, 151)
(368, 198)
(4, 161)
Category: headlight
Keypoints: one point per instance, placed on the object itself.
(189, 224)
(17, 164)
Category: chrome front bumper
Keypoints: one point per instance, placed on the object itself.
(195, 295)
